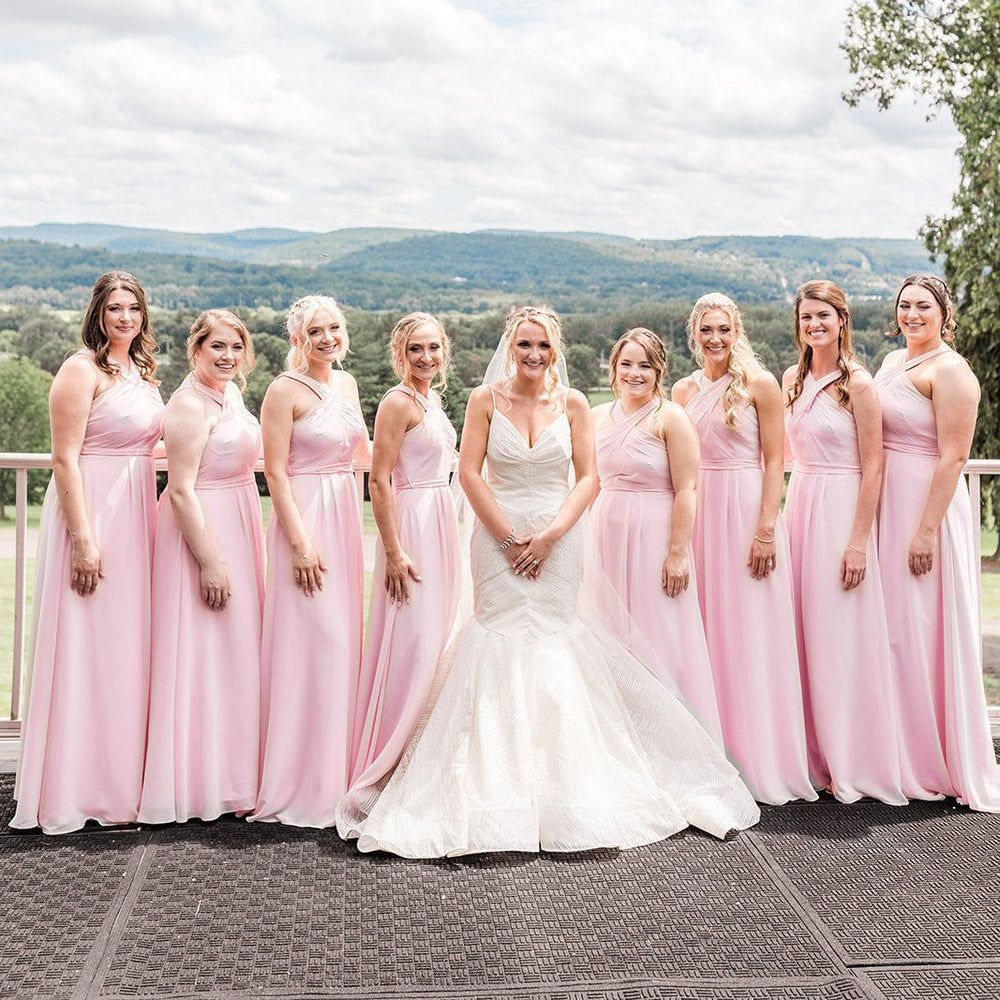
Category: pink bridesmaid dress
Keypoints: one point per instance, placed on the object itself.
(311, 653)
(405, 643)
(84, 735)
(843, 644)
(629, 540)
(749, 624)
(934, 627)
(203, 757)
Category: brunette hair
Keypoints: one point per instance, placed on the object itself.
(95, 337)
(399, 338)
(833, 295)
(942, 296)
(202, 329)
(744, 365)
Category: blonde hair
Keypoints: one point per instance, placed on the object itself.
(549, 322)
(95, 337)
(202, 329)
(300, 314)
(942, 296)
(833, 295)
(744, 365)
(656, 355)
(399, 338)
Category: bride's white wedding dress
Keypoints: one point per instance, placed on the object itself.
(544, 732)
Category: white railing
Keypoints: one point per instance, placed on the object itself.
(22, 462)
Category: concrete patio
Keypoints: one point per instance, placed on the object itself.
(821, 901)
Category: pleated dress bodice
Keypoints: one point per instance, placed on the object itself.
(233, 446)
(822, 433)
(722, 446)
(629, 458)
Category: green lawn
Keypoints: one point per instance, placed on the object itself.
(7, 626)
(34, 517)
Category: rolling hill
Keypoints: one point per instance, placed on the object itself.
(56, 264)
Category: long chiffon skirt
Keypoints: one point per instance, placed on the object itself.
(84, 734)
(851, 727)
(630, 535)
(750, 628)
(204, 725)
(310, 659)
(934, 629)
(405, 644)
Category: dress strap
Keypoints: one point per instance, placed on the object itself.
(411, 393)
(615, 436)
(190, 382)
(921, 358)
(703, 402)
(810, 393)
(310, 383)
(631, 420)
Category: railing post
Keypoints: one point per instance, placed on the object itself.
(359, 484)
(20, 588)
(976, 492)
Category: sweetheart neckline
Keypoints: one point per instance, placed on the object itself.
(520, 436)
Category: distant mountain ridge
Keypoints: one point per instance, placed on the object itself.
(386, 268)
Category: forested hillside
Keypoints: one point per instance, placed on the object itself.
(378, 269)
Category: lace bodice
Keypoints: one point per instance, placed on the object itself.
(530, 485)
(529, 482)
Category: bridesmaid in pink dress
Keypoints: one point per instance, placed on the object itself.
(208, 588)
(313, 606)
(641, 522)
(416, 578)
(929, 399)
(834, 427)
(741, 554)
(84, 735)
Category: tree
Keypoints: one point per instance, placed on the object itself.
(948, 51)
(270, 351)
(582, 368)
(24, 420)
(47, 340)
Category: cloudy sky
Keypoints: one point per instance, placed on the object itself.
(649, 118)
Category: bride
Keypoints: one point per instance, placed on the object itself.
(543, 732)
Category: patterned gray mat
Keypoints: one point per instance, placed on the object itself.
(938, 984)
(915, 884)
(819, 902)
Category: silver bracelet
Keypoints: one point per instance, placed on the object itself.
(508, 541)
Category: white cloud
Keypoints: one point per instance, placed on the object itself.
(630, 116)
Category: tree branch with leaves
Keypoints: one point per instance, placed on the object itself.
(948, 52)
